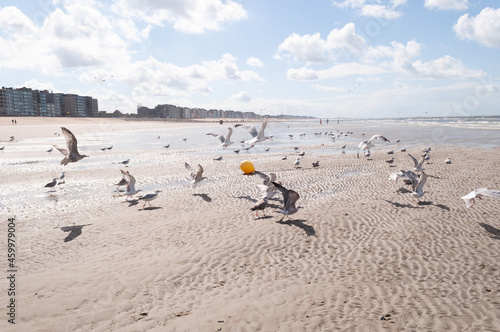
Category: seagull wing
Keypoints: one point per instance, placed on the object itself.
(229, 133)
(491, 193)
(62, 150)
(220, 137)
(420, 186)
(71, 140)
(252, 130)
(199, 172)
(414, 160)
(292, 198)
(266, 179)
(374, 137)
(261, 130)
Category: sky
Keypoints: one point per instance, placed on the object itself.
(321, 58)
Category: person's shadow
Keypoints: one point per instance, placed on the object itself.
(74, 231)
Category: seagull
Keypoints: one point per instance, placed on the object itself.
(284, 158)
(289, 199)
(478, 193)
(237, 151)
(226, 141)
(12, 138)
(103, 149)
(303, 153)
(51, 184)
(149, 197)
(419, 189)
(408, 176)
(122, 182)
(61, 178)
(417, 164)
(260, 206)
(448, 161)
(49, 150)
(218, 158)
(109, 147)
(71, 154)
(195, 177)
(390, 161)
(297, 162)
(390, 152)
(257, 136)
(125, 162)
(3, 147)
(367, 145)
(130, 184)
(267, 188)
(343, 146)
(166, 146)
(316, 164)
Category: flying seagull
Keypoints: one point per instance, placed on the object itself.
(225, 141)
(149, 197)
(418, 164)
(419, 190)
(71, 154)
(478, 193)
(289, 199)
(130, 184)
(367, 145)
(195, 177)
(257, 136)
(409, 178)
(267, 188)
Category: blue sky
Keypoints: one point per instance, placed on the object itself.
(352, 58)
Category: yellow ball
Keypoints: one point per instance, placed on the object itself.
(247, 167)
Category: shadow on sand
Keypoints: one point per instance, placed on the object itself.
(205, 197)
(492, 230)
(74, 231)
(300, 224)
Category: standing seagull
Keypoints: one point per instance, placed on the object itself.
(61, 178)
(260, 206)
(419, 190)
(71, 154)
(195, 177)
(257, 136)
(478, 193)
(367, 145)
(297, 162)
(226, 141)
(51, 184)
(149, 197)
(289, 199)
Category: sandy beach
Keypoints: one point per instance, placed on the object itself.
(360, 254)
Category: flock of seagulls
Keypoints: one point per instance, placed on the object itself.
(415, 177)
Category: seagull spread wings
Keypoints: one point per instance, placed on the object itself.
(478, 193)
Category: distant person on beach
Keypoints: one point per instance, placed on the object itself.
(327, 120)
(320, 121)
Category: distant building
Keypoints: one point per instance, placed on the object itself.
(28, 102)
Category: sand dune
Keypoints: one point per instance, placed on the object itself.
(359, 255)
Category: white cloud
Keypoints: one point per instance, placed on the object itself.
(447, 4)
(484, 28)
(255, 62)
(312, 48)
(242, 96)
(193, 16)
(380, 11)
(374, 8)
(371, 60)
